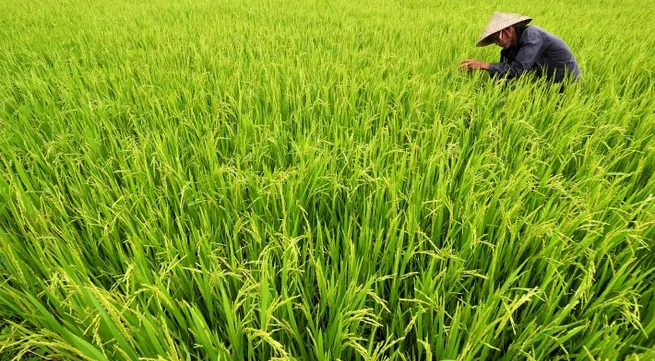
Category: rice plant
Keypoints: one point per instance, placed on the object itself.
(315, 180)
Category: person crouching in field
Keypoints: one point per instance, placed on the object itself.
(525, 49)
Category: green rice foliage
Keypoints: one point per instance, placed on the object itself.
(315, 180)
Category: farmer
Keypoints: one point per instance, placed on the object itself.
(525, 48)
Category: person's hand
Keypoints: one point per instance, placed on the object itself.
(472, 64)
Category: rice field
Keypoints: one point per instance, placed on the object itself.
(315, 180)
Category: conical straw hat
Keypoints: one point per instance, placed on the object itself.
(498, 22)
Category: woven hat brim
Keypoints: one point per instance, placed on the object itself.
(485, 41)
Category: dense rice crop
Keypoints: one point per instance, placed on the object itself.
(315, 180)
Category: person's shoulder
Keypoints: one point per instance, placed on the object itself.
(533, 32)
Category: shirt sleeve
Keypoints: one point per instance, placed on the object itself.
(533, 46)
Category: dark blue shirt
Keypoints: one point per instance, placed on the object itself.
(538, 51)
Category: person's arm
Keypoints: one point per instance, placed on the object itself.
(533, 46)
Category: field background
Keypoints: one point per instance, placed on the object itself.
(315, 180)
